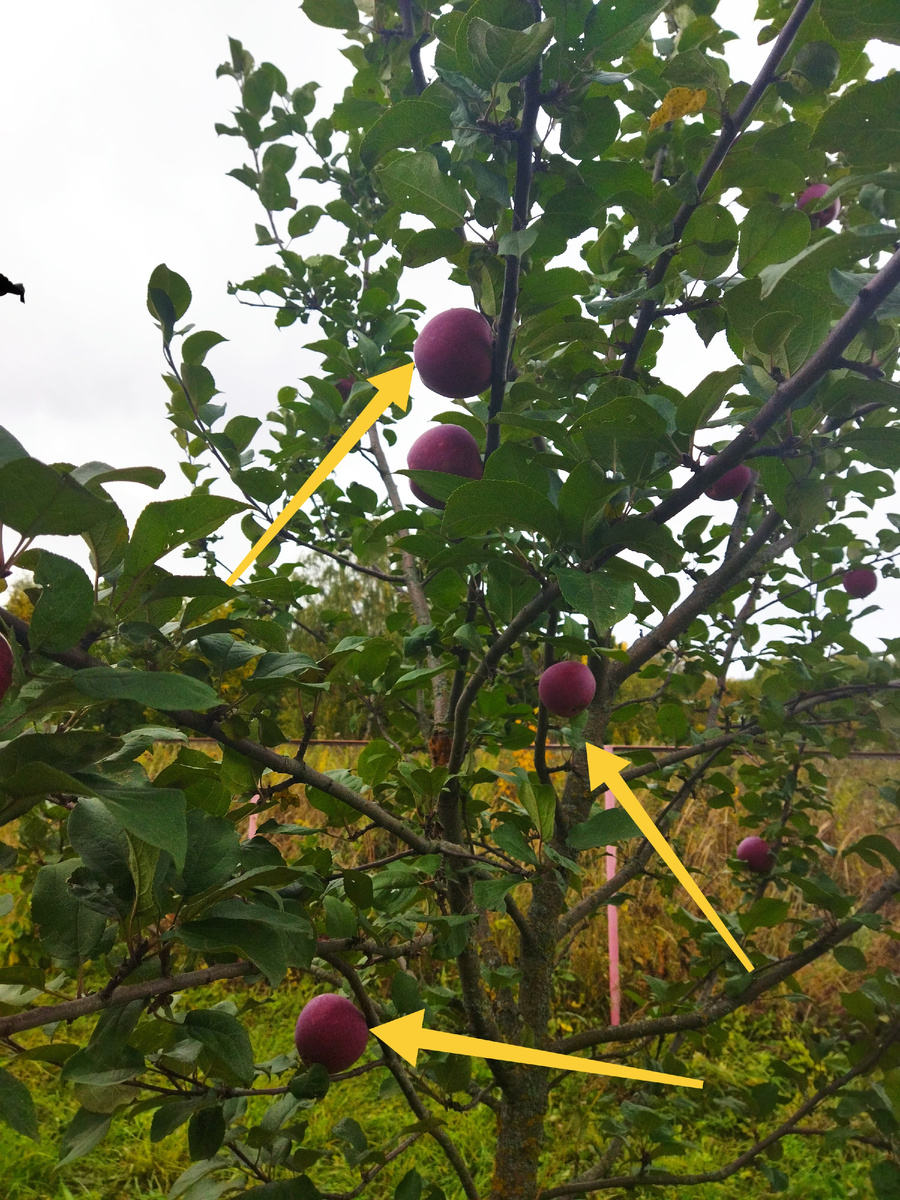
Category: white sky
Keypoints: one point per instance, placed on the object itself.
(112, 165)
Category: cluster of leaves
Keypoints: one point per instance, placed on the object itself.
(545, 133)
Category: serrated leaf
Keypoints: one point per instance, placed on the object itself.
(408, 123)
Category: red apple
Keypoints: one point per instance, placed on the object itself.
(6, 666)
(332, 1031)
(344, 386)
(815, 192)
(756, 854)
(732, 484)
(453, 353)
(860, 582)
(449, 449)
(567, 688)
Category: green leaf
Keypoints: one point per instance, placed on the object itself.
(170, 1115)
(538, 800)
(543, 289)
(863, 123)
(847, 284)
(412, 123)
(10, 447)
(174, 287)
(65, 751)
(85, 1131)
(885, 1178)
(36, 499)
(206, 1132)
(490, 894)
(69, 930)
(770, 234)
(693, 412)
(99, 840)
(517, 243)
(333, 14)
(583, 499)
(505, 55)
(848, 20)
(596, 595)
(195, 348)
(17, 1107)
(154, 814)
(99, 473)
(709, 241)
(274, 665)
(409, 1187)
(156, 689)
(604, 828)
(376, 762)
(838, 250)
(486, 504)
(226, 1041)
(227, 653)
(428, 245)
(765, 913)
(416, 183)
(64, 608)
(616, 26)
(850, 958)
(165, 524)
(880, 447)
(263, 946)
(213, 852)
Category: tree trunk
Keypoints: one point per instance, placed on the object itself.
(520, 1138)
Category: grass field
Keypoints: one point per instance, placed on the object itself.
(127, 1166)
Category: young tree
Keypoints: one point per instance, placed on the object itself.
(542, 131)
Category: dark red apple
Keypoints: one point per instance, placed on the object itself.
(6, 666)
(732, 484)
(453, 353)
(756, 854)
(332, 1031)
(449, 449)
(815, 192)
(344, 386)
(567, 688)
(860, 582)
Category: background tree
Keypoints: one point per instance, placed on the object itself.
(537, 132)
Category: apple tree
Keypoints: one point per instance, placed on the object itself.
(597, 184)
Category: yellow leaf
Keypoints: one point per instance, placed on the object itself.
(679, 102)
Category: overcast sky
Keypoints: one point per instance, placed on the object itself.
(112, 165)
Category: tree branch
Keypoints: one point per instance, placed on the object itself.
(662, 1178)
(708, 590)
(762, 980)
(521, 210)
(732, 127)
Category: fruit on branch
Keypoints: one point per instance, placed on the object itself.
(6, 666)
(860, 582)
(567, 688)
(449, 449)
(756, 854)
(453, 353)
(815, 192)
(332, 1031)
(344, 386)
(732, 484)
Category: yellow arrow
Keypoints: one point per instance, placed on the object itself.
(406, 1036)
(393, 388)
(604, 767)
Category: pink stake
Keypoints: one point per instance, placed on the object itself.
(612, 923)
